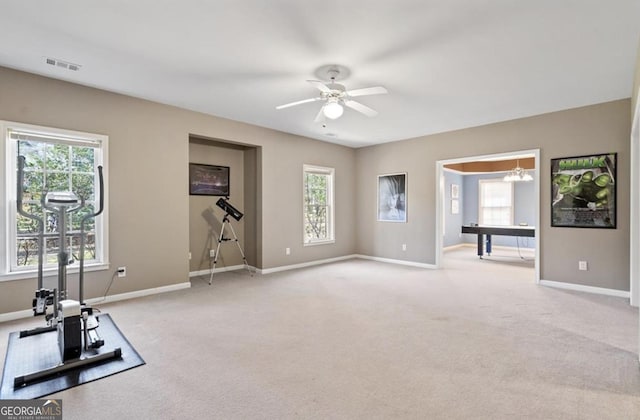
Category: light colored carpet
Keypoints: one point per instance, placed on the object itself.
(367, 340)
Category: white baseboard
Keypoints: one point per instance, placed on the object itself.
(508, 248)
(10, 316)
(305, 264)
(140, 293)
(393, 261)
(313, 263)
(586, 289)
(456, 246)
(475, 245)
(218, 270)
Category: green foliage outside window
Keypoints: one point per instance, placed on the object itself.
(316, 226)
(55, 167)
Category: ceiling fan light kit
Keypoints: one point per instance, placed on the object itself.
(336, 95)
(333, 110)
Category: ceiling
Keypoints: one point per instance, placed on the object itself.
(447, 64)
(488, 166)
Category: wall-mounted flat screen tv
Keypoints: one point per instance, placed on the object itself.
(208, 180)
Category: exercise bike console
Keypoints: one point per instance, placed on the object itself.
(61, 199)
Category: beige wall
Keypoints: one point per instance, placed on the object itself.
(253, 214)
(595, 129)
(636, 83)
(149, 202)
(148, 172)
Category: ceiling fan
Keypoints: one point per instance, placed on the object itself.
(336, 95)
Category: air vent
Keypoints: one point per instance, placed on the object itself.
(62, 64)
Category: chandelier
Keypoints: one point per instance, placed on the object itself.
(518, 174)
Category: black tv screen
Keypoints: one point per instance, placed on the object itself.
(208, 180)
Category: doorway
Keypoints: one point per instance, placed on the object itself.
(635, 208)
(242, 163)
(445, 204)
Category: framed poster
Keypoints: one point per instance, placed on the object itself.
(455, 207)
(208, 180)
(455, 191)
(392, 198)
(583, 191)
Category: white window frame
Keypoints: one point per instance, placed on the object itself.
(330, 172)
(480, 199)
(8, 191)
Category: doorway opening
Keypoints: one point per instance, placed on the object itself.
(634, 246)
(452, 200)
(206, 217)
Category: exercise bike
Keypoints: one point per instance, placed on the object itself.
(74, 321)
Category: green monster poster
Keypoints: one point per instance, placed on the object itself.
(584, 191)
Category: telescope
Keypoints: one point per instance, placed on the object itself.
(236, 214)
(229, 209)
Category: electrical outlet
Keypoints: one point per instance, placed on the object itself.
(582, 265)
(287, 251)
(212, 253)
(189, 256)
(404, 247)
(122, 271)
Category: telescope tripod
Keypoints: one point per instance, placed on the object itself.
(221, 238)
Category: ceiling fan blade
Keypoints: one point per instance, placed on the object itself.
(320, 86)
(361, 108)
(376, 90)
(320, 116)
(304, 101)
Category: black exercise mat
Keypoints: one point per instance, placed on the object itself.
(38, 352)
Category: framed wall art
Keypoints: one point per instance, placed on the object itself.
(455, 207)
(583, 191)
(208, 180)
(392, 198)
(455, 191)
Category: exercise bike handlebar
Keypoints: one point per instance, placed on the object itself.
(21, 192)
(82, 235)
(22, 212)
(100, 200)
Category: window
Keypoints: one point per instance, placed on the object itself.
(496, 202)
(318, 205)
(55, 160)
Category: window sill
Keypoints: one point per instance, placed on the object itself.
(327, 242)
(51, 272)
